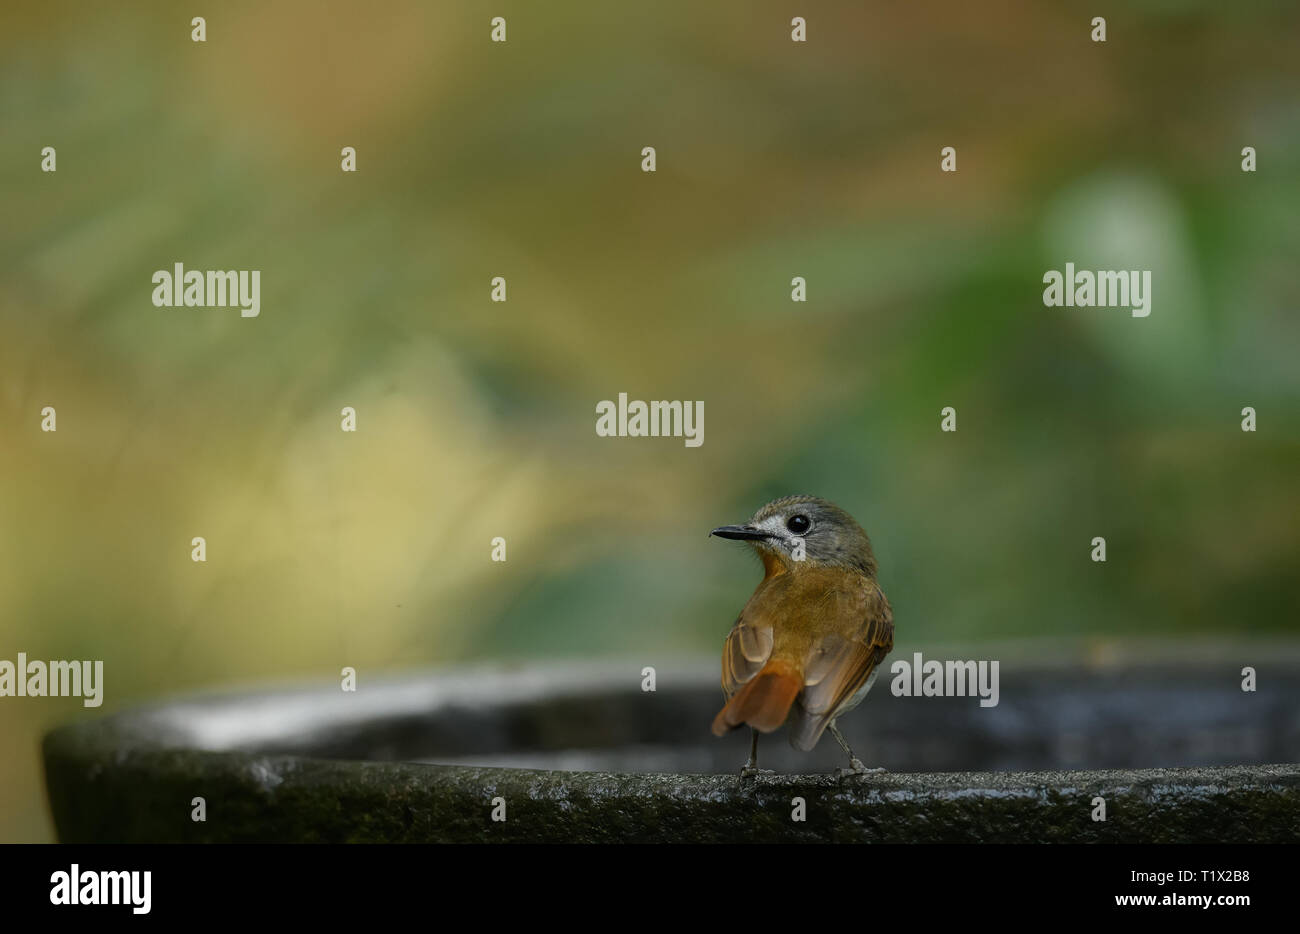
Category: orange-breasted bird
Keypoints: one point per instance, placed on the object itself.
(808, 644)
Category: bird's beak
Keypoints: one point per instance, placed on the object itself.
(744, 533)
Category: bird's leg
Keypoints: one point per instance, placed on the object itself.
(751, 767)
(855, 764)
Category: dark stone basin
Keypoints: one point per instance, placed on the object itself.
(580, 753)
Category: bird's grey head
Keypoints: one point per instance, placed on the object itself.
(798, 529)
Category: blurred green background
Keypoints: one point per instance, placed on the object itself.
(476, 419)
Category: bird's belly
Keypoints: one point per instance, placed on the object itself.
(858, 695)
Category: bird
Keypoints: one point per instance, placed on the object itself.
(807, 646)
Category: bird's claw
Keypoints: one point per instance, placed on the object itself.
(857, 768)
(750, 771)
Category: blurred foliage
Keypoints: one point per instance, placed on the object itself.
(477, 419)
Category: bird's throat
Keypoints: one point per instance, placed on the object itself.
(772, 564)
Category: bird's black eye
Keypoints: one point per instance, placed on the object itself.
(798, 524)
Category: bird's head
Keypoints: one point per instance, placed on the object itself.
(804, 531)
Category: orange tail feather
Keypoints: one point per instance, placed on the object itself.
(764, 702)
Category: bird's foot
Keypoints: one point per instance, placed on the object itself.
(750, 771)
(857, 768)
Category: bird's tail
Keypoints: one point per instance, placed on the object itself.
(764, 701)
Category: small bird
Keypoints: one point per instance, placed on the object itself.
(808, 644)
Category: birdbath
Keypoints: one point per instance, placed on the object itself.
(1170, 750)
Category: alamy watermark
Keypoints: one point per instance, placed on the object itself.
(217, 288)
(933, 678)
(1103, 289)
(88, 887)
(57, 678)
(638, 419)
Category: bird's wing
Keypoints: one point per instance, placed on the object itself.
(839, 666)
(749, 645)
(747, 650)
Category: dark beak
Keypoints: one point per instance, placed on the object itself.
(744, 533)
